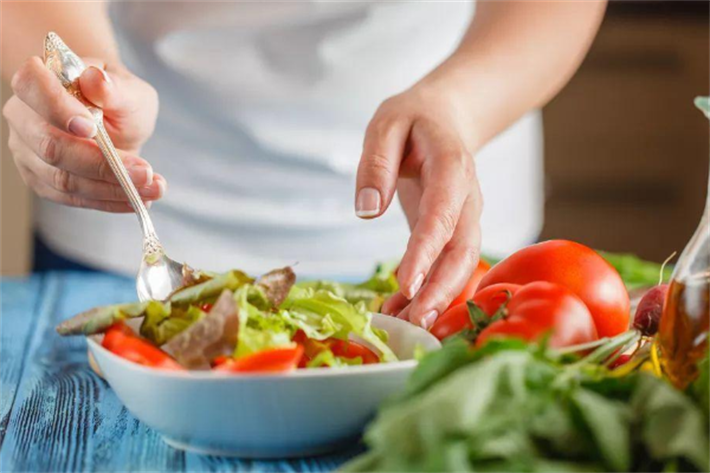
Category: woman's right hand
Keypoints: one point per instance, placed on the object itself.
(51, 131)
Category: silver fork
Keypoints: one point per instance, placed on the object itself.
(158, 275)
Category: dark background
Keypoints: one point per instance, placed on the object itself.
(626, 151)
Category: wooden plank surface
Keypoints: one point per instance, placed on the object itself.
(58, 416)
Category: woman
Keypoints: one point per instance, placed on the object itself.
(263, 110)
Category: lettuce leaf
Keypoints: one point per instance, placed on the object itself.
(327, 358)
(322, 314)
(259, 329)
(161, 323)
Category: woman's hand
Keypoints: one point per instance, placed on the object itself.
(417, 143)
(50, 133)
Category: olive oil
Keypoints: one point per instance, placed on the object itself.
(683, 331)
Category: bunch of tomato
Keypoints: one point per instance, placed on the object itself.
(559, 289)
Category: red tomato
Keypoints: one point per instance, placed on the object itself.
(576, 267)
(537, 309)
(470, 288)
(345, 349)
(276, 360)
(120, 340)
(350, 349)
(457, 318)
(206, 307)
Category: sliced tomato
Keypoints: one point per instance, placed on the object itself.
(277, 360)
(472, 284)
(206, 307)
(350, 349)
(341, 348)
(120, 340)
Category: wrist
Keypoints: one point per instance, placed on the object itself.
(446, 91)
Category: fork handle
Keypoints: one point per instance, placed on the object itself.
(151, 244)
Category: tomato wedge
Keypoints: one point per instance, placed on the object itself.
(341, 348)
(350, 349)
(120, 340)
(277, 360)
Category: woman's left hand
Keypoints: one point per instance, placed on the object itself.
(418, 144)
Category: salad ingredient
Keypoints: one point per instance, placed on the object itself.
(99, 319)
(472, 284)
(576, 267)
(372, 292)
(161, 323)
(527, 312)
(510, 406)
(275, 360)
(251, 317)
(333, 352)
(650, 309)
(121, 340)
(210, 289)
(635, 272)
(321, 315)
(212, 335)
(539, 309)
(277, 284)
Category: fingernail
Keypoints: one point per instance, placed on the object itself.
(151, 191)
(141, 174)
(367, 203)
(82, 127)
(105, 75)
(416, 285)
(429, 319)
(162, 183)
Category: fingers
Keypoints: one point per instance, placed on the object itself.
(451, 271)
(65, 187)
(77, 156)
(37, 87)
(446, 183)
(72, 200)
(377, 173)
(98, 88)
(394, 304)
(68, 183)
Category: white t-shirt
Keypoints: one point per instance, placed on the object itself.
(263, 108)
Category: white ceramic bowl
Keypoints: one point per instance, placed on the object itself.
(304, 412)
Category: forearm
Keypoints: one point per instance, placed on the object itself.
(84, 26)
(515, 57)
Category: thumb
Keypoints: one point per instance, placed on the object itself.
(379, 165)
(98, 88)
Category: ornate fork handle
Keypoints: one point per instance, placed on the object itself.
(67, 66)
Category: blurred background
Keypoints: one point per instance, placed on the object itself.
(626, 153)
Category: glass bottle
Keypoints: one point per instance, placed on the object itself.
(683, 332)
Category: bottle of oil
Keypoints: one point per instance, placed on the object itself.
(683, 332)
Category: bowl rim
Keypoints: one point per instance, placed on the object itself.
(215, 376)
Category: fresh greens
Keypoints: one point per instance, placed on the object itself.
(515, 407)
(635, 272)
(101, 318)
(321, 314)
(371, 292)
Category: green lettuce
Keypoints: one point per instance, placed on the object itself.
(259, 328)
(322, 314)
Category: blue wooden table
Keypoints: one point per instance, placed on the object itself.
(57, 415)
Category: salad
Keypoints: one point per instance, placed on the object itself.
(231, 322)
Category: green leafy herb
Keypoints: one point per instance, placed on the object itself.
(635, 272)
(509, 406)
